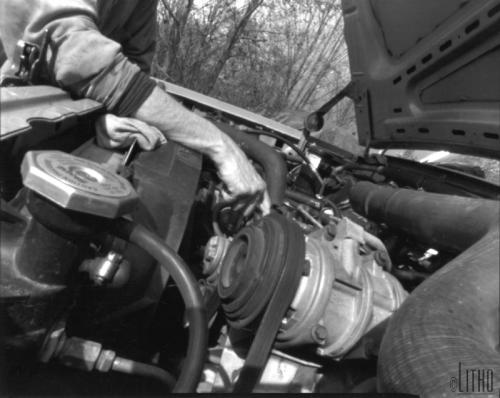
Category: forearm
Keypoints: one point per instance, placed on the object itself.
(187, 128)
(183, 126)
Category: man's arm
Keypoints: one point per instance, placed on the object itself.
(191, 130)
(83, 61)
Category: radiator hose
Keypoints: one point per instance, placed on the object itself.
(191, 295)
(449, 325)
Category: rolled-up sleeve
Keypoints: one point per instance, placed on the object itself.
(78, 58)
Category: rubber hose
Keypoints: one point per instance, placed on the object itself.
(191, 295)
(124, 365)
(442, 221)
(273, 164)
(450, 321)
(448, 324)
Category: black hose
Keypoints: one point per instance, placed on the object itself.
(451, 318)
(124, 365)
(443, 221)
(294, 147)
(274, 166)
(191, 295)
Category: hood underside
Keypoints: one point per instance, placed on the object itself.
(426, 73)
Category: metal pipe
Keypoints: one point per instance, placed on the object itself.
(128, 366)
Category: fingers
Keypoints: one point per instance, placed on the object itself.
(246, 204)
(242, 182)
(119, 132)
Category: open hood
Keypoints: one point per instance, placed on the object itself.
(426, 73)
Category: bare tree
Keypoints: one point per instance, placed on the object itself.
(195, 43)
(231, 42)
(269, 56)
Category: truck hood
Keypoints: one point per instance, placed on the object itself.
(426, 73)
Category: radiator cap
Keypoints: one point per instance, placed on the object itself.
(78, 184)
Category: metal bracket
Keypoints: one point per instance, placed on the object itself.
(27, 57)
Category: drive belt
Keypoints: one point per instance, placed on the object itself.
(291, 266)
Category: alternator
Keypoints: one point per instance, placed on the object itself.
(343, 293)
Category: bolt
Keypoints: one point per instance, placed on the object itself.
(209, 265)
(319, 333)
(331, 231)
(106, 268)
(211, 250)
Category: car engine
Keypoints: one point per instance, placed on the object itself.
(123, 272)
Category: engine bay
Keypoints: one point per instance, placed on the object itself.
(124, 272)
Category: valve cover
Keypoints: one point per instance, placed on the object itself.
(78, 184)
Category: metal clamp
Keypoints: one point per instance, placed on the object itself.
(27, 59)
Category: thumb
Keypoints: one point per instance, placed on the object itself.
(265, 205)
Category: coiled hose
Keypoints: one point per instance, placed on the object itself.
(191, 295)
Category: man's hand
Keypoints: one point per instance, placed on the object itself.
(242, 182)
(178, 124)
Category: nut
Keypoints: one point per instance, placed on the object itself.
(80, 354)
(52, 345)
(105, 361)
(319, 334)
